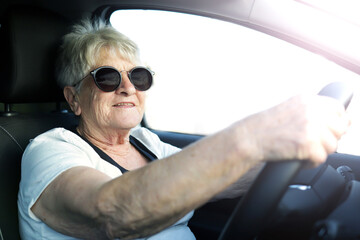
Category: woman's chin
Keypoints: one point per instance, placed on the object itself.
(126, 125)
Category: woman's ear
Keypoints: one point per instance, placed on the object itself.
(71, 97)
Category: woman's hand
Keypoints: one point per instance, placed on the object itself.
(304, 128)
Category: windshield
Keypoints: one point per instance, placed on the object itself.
(210, 73)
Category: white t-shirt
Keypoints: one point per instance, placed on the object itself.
(57, 150)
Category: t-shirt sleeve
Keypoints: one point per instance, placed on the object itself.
(44, 159)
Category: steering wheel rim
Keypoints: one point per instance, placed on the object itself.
(252, 211)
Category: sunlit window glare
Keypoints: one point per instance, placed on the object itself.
(345, 9)
(211, 73)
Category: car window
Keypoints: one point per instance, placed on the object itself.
(210, 73)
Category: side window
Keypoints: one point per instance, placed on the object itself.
(210, 73)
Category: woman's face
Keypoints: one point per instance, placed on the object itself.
(119, 110)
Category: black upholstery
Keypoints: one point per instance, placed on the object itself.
(29, 41)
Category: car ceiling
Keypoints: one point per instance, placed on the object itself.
(291, 20)
(74, 9)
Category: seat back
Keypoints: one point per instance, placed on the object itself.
(29, 41)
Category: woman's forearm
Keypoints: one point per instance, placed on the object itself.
(154, 197)
(166, 190)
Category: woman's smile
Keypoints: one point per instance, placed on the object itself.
(124, 105)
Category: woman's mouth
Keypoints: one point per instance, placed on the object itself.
(124, 104)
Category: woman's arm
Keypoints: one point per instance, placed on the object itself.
(241, 186)
(86, 203)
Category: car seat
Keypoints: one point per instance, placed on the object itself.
(29, 41)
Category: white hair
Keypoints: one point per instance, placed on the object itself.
(81, 48)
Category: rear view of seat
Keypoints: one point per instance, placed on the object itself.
(29, 42)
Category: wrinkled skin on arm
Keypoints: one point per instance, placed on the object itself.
(85, 203)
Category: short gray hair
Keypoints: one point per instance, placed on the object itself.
(81, 47)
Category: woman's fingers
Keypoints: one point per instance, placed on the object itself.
(304, 127)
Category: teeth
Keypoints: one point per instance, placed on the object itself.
(124, 104)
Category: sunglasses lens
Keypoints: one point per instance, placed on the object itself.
(141, 78)
(107, 79)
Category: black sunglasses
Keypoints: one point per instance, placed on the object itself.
(108, 79)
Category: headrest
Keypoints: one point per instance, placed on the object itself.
(30, 39)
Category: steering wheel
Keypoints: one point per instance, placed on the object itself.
(251, 213)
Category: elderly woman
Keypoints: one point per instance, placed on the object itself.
(102, 179)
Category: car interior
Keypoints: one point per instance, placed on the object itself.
(30, 34)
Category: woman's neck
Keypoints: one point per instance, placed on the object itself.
(112, 142)
(118, 147)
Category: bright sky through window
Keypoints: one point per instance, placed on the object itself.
(210, 73)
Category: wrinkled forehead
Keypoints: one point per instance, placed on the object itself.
(107, 53)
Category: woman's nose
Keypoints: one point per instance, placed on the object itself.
(126, 87)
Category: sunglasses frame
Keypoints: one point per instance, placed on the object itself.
(93, 75)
